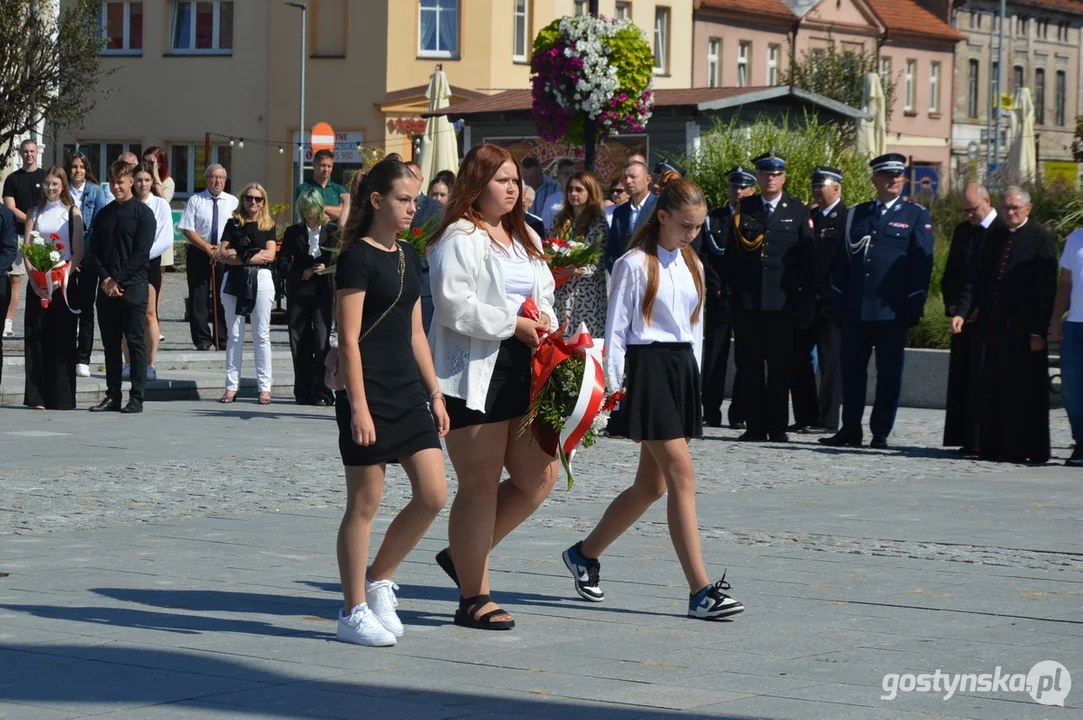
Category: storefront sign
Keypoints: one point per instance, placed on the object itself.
(345, 147)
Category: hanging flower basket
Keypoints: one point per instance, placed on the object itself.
(591, 67)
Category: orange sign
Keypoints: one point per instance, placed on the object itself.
(323, 137)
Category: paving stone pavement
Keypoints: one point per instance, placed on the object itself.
(181, 564)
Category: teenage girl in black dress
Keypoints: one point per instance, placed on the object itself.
(392, 409)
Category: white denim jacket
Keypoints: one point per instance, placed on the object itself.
(471, 317)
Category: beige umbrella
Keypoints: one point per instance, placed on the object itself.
(439, 146)
(1021, 157)
(872, 134)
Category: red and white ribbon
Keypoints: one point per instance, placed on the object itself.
(591, 390)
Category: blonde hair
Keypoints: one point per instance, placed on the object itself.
(263, 219)
(677, 193)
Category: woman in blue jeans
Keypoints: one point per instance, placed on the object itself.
(1068, 331)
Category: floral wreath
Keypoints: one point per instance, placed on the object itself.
(591, 67)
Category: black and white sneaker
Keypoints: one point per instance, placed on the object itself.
(711, 603)
(585, 571)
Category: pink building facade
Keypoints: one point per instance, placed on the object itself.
(751, 42)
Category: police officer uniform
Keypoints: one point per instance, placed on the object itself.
(816, 409)
(718, 318)
(771, 273)
(880, 285)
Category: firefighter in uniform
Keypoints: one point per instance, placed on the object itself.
(771, 275)
(880, 285)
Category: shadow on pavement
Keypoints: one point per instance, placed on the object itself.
(262, 412)
(122, 677)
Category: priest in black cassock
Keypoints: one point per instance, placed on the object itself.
(957, 288)
(1015, 290)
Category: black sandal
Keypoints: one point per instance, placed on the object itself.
(443, 559)
(464, 616)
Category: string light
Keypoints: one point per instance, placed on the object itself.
(241, 143)
(231, 142)
(280, 150)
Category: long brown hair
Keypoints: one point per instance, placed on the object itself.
(478, 168)
(65, 194)
(163, 161)
(380, 179)
(677, 194)
(591, 213)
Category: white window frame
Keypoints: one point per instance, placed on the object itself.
(183, 193)
(885, 69)
(215, 49)
(744, 49)
(911, 89)
(934, 87)
(437, 10)
(580, 7)
(104, 161)
(714, 46)
(774, 50)
(126, 41)
(623, 11)
(520, 30)
(662, 19)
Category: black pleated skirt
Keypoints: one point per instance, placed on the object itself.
(509, 389)
(662, 394)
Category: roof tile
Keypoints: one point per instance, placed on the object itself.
(772, 8)
(909, 18)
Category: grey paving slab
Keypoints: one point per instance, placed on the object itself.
(13, 711)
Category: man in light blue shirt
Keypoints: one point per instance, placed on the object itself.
(546, 189)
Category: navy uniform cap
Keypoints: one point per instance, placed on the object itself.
(821, 175)
(740, 177)
(664, 166)
(770, 162)
(894, 163)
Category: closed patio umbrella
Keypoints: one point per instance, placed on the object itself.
(439, 146)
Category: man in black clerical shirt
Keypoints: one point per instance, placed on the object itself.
(120, 251)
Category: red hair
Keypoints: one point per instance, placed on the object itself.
(478, 168)
(163, 160)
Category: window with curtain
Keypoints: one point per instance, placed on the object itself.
(1039, 96)
(713, 46)
(772, 64)
(202, 27)
(934, 87)
(520, 30)
(661, 39)
(122, 26)
(439, 28)
(1059, 99)
(911, 90)
(972, 88)
(623, 11)
(744, 49)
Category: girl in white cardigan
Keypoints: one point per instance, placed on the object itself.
(484, 263)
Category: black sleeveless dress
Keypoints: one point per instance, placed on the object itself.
(395, 395)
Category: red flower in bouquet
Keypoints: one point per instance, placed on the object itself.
(567, 254)
(418, 237)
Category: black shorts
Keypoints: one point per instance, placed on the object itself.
(154, 274)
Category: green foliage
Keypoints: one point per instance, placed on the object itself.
(49, 69)
(634, 61)
(839, 75)
(805, 144)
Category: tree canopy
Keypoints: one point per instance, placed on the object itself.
(839, 75)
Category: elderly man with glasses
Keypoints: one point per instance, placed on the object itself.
(1015, 289)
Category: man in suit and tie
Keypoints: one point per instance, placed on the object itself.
(717, 313)
(629, 216)
(816, 409)
(880, 285)
(771, 272)
(533, 221)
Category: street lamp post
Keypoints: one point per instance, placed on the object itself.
(301, 123)
(590, 127)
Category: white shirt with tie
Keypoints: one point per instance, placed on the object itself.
(200, 209)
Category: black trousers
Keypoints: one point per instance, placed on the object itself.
(765, 366)
(309, 318)
(200, 300)
(859, 338)
(5, 297)
(85, 295)
(50, 353)
(717, 333)
(124, 316)
(812, 404)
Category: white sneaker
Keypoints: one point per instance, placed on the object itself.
(152, 374)
(82, 370)
(361, 627)
(161, 338)
(380, 597)
(126, 371)
(8, 331)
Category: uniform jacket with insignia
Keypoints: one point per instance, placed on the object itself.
(781, 273)
(828, 230)
(887, 276)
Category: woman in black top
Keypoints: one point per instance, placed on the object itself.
(392, 408)
(248, 246)
(308, 299)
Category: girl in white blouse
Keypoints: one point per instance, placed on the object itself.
(484, 264)
(51, 333)
(653, 342)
